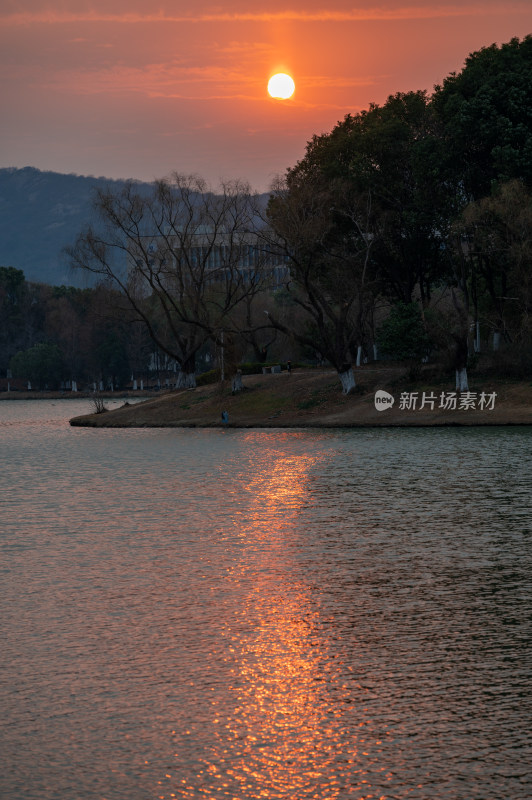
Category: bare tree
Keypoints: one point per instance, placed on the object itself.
(324, 231)
(183, 257)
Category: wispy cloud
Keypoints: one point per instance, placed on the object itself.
(178, 81)
(159, 80)
(294, 15)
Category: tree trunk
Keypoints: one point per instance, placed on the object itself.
(347, 379)
(461, 351)
(496, 341)
(462, 384)
(186, 380)
(477, 337)
(236, 383)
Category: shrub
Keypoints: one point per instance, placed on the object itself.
(98, 404)
(212, 376)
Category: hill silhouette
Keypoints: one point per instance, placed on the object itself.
(40, 214)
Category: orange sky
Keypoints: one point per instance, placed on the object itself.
(116, 88)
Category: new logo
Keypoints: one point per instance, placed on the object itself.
(383, 400)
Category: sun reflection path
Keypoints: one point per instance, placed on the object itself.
(291, 722)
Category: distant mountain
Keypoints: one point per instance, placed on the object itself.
(40, 214)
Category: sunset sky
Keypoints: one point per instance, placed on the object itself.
(131, 88)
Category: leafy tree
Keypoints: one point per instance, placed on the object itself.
(112, 356)
(68, 324)
(495, 236)
(138, 348)
(12, 291)
(361, 215)
(41, 364)
(390, 152)
(12, 284)
(403, 336)
(485, 111)
(23, 309)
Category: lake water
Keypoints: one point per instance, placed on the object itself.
(263, 614)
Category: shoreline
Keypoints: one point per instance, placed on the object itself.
(313, 400)
(76, 422)
(51, 395)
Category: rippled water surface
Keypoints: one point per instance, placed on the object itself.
(263, 614)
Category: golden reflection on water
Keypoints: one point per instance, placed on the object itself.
(283, 731)
(307, 616)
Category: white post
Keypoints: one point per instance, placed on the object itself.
(359, 355)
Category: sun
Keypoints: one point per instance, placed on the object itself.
(281, 86)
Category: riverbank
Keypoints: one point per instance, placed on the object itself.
(69, 395)
(313, 399)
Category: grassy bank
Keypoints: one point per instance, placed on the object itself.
(312, 398)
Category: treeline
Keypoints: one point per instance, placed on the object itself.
(53, 335)
(425, 201)
(405, 232)
(56, 337)
(420, 208)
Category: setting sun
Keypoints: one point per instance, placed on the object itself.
(281, 86)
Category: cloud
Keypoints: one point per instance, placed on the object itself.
(171, 80)
(176, 80)
(294, 15)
